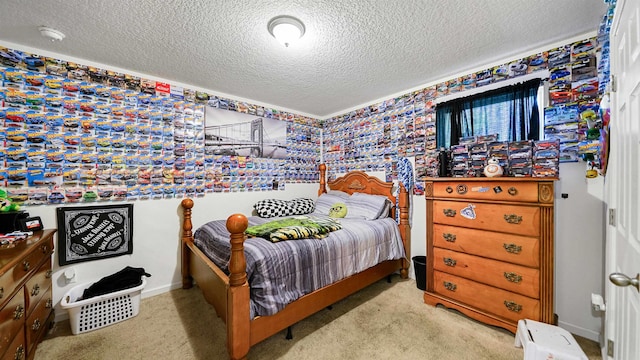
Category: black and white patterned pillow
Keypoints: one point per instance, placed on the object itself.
(277, 208)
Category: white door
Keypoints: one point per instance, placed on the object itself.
(622, 324)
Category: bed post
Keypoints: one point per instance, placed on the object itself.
(323, 179)
(238, 313)
(405, 230)
(187, 237)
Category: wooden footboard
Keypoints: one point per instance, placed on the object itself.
(230, 294)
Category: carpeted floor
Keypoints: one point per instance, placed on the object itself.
(383, 321)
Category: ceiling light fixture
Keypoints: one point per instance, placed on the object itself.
(286, 29)
(51, 34)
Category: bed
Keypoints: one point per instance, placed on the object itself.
(227, 288)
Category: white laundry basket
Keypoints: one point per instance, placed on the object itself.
(100, 311)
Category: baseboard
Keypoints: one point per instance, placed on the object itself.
(62, 314)
(160, 290)
(580, 331)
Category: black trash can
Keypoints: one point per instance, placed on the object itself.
(420, 269)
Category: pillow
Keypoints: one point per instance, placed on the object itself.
(367, 206)
(339, 193)
(274, 207)
(326, 201)
(338, 210)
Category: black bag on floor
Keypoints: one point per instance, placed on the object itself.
(127, 278)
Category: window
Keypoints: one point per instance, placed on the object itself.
(511, 112)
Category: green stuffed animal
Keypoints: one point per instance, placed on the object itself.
(5, 203)
(338, 210)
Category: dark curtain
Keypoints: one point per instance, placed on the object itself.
(511, 112)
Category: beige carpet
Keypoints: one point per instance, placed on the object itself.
(383, 321)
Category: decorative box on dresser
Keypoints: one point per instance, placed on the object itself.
(26, 310)
(490, 248)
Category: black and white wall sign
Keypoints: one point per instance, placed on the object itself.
(94, 232)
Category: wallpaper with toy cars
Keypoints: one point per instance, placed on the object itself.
(375, 137)
(73, 133)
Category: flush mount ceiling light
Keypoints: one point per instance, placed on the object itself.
(51, 34)
(286, 29)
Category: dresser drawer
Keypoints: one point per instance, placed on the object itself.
(502, 303)
(487, 190)
(37, 285)
(516, 249)
(522, 220)
(37, 321)
(515, 278)
(13, 275)
(12, 317)
(10, 280)
(17, 349)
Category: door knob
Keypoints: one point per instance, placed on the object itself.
(623, 280)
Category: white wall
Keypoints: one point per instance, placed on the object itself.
(156, 238)
(579, 256)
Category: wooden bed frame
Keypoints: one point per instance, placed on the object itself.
(229, 294)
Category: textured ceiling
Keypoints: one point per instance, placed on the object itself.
(353, 52)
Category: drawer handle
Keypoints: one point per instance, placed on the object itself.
(513, 306)
(512, 191)
(449, 261)
(49, 304)
(512, 248)
(48, 274)
(1, 292)
(19, 355)
(513, 277)
(449, 212)
(36, 290)
(513, 218)
(18, 312)
(461, 189)
(26, 266)
(449, 237)
(36, 325)
(450, 286)
(45, 249)
(449, 189)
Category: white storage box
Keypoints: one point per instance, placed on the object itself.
(100, 311)
(547, 342)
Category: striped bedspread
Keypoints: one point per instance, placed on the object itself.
(281, 272)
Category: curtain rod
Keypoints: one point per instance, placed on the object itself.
(543, 75)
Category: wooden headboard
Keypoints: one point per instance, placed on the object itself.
(359, 181)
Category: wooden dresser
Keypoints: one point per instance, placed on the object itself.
(26, 310)
(490, 248)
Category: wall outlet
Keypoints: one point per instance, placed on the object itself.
(70, 275)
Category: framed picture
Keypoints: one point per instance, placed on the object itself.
(94, 232)
(30, 223)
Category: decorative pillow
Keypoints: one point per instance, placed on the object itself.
(326, 201)
(338, 210)
(367, 206)
(274, 207)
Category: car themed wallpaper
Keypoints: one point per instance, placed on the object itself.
(75, 133)
(375, 137)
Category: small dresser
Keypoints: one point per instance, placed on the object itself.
(26, 302)
(490, 248)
